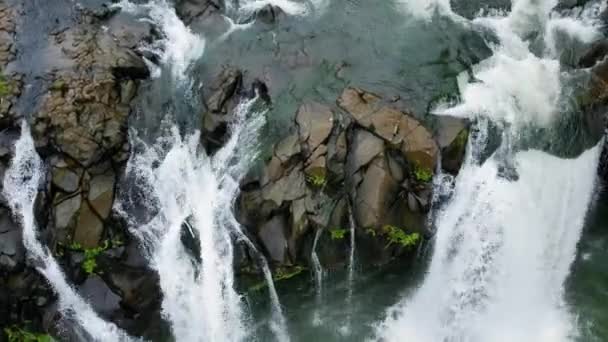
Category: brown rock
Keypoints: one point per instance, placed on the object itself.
(287, 148)
(375, 194)
(365, 147)
(101, 194)
(315, 122)
(65, 213)
(419, 147)
(288, 188)
(360, 104)
(89, 227)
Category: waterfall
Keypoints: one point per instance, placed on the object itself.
(507, 237)
(318, 277)
(178, 46)
(22, 182)
(175, 182)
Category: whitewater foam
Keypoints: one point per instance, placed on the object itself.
(507, 237)
(182, 184)
(179, 47)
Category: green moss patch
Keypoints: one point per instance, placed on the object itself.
(337, 233)
(398, 236)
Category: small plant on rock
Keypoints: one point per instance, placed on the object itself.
(396, 235)
(281, 273)
(16, 334)
(89, 264)
(423, 174)
(317, 179)
(337, 233)
(284, 273)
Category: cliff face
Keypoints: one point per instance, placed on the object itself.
(71, 72)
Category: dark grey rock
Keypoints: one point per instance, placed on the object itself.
(273, 237)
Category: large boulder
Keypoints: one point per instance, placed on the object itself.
(315, 123)
(375, 194)
(273, 237)
(363, 148)
(398, 128)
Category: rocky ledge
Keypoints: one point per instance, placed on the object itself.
(358, 163)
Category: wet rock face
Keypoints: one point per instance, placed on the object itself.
(220, 98)
(79, 123)
(363, 157)
(452, 137)
(84, 113)
(11, 83)
(594, 100)
(12, 253)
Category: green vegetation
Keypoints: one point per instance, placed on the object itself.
(371, 232)
(423, 174)
(337, 233)
(16, 334)
(317, 179)
(396, 235)
(284, 273)
(5, 86)
(89, 265)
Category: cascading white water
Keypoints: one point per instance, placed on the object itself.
(505, 244)
(22, 182)
(179, 46)
(346, 328)
(183, 185)
(318, 274)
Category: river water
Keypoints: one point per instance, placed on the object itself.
(521, 242)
